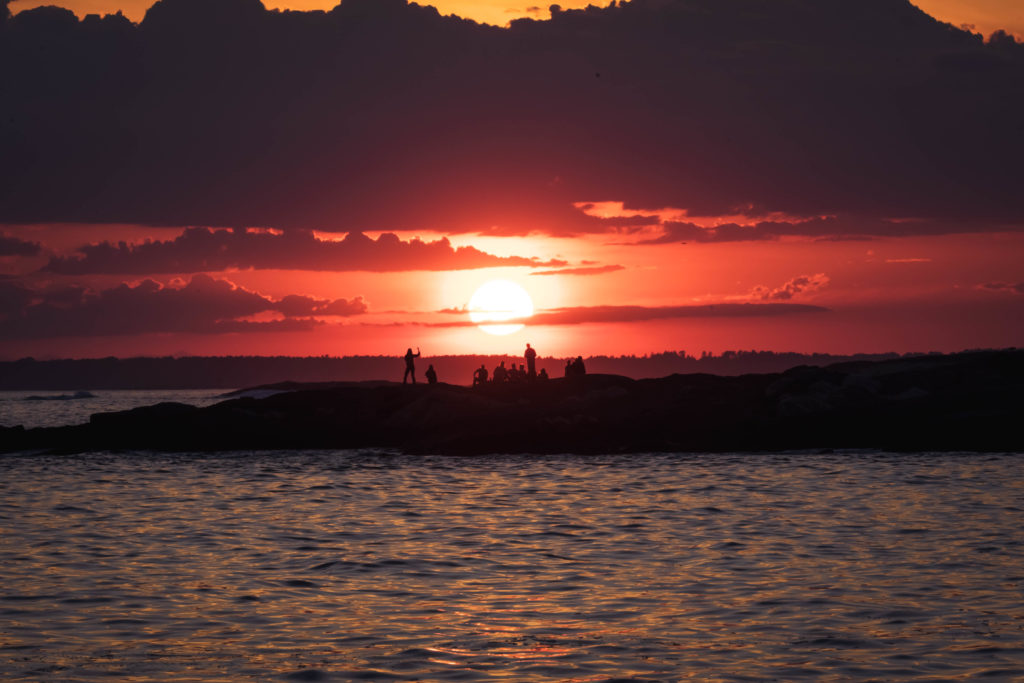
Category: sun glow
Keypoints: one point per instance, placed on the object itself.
(498, 301)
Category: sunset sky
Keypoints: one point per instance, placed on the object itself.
(218, 178)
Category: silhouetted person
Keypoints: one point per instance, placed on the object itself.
(431, 375)
(568, 368)
(500, 373)
(480, 376)
(516, 374)
(578, 368)
(531, 362)
(410, 364)
(543, 374)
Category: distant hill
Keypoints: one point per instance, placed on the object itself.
(233, 372)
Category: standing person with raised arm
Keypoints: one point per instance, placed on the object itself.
(410, 364)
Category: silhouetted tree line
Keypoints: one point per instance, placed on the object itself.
(233, 372)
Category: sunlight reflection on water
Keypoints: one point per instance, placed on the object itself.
(335, 566)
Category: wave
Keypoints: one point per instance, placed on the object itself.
(78, 395)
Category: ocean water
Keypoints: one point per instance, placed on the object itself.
(59, 408)
(372, 566)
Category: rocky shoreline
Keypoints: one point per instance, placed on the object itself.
(972, 401)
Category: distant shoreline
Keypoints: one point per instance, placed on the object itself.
(232, 372)
(961, 402)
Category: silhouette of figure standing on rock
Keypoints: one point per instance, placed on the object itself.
(431, 375)
(410, 364)
(531, 361)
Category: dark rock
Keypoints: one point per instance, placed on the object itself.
(967, 401)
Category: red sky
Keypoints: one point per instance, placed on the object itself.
(822, 183)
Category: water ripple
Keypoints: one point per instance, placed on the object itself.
(371, 566)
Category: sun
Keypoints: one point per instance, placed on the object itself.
(497, 301)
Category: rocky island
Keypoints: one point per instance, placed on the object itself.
(968, 401)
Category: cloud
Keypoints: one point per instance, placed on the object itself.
(411, 120)
(583, 270)
(533, 10)
(296, 305)
(588, 314)
(821, 227)
(620, 314)
(12, 246)
(203, 249)
(342, 307)
(804, 284)
(202, 306)
(1017, 288)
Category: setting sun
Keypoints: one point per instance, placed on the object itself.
(498, 301)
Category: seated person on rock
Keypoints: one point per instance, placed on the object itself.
(480, 376)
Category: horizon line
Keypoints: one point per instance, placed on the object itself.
(679, 353)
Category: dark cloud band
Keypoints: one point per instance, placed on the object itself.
(201, 249)
(619, 314)
(12, 246)
(411, 120)
(204, 306)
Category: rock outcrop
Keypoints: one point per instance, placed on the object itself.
(969, 401)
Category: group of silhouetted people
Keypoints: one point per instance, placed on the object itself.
(575, 368)
(523, 373)
(511, 374)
